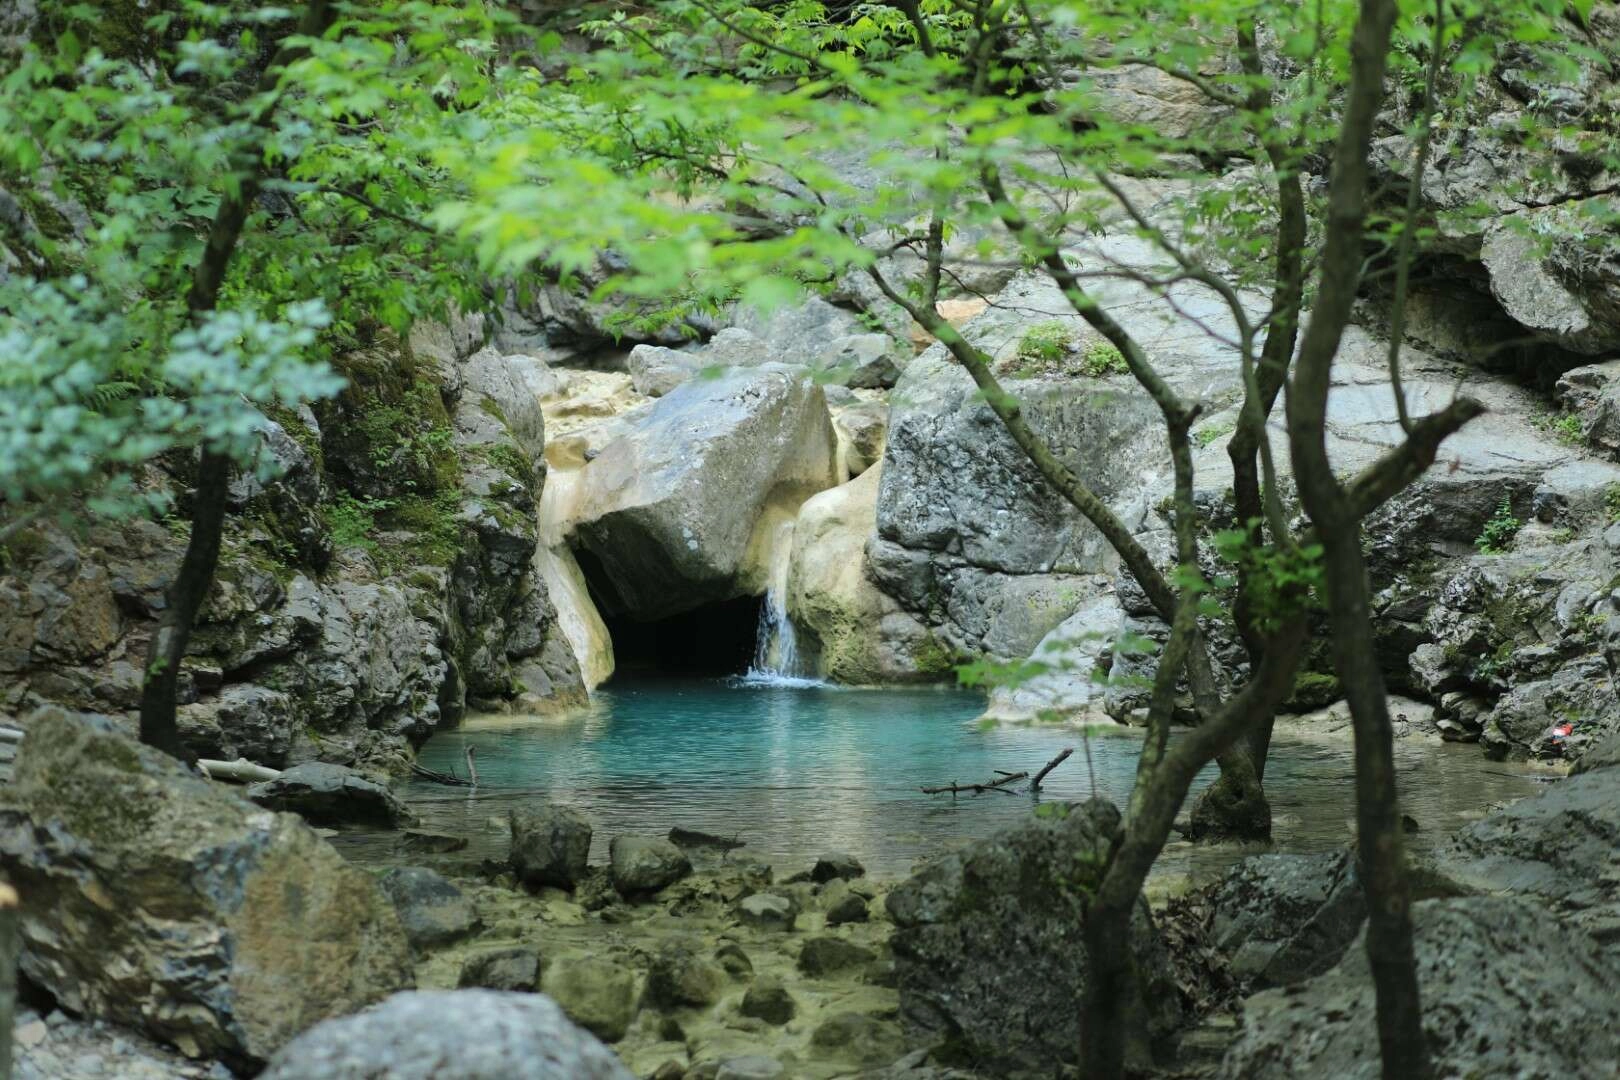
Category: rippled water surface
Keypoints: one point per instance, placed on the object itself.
(795, 770)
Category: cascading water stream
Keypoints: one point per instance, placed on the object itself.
(776, 646)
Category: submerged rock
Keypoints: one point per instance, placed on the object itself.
(769, 1000)
(432, 911)
(681, 976)
(450, 1035)
(823, 956)
(1283, 918)
(836, 866)
(550, 846)
(515, 969)
(327, 794)
(157, 899)
(988, 945)
(1504, 994)
(860, 1038)
(596, 993)
(768, 911)
(645, 864)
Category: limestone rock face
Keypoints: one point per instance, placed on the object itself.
(158, 900)
(327, 794)
(450, 1035)
(988, 945)
(670, 508)
(1491, 972)
(1073, 653)
(849, 630)
(1283, 918)
(1558, 849)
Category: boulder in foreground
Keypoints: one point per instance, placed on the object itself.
(450, 1035)
(1506, 992)
(157, 899)
(989, 951)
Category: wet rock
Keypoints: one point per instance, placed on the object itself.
(243, 720)
(427, 843)
(645, 864)
(432, 910)
(1605, 755)
(850, 909)
(595, 891)
(1558, 848)
(768, 1000)
(160, 900)
(768, 911)
(680, 976)
(1284, 918)
(731, 956)
(860, 1038)
(1492, 975)
(596, 993)
(450, 1035)
(835, 866)
(752, 1067)
(823, 956)
(1013, 903)
(327, 794)
(550, 846)
(516, 969)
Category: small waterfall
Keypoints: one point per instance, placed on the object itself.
(776, 646)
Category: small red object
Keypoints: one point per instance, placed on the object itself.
(1562, 731)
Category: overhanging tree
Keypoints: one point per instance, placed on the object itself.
(710, 133)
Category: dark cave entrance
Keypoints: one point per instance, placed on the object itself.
(707, 642)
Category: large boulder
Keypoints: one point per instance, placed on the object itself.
(1505, 993)
(327, 794)
(1065, 686)
(988, 945)
(450, 1035)
(1284, 918)
(669, 509)
(156, 899)
(598, 994)
(1560, 848)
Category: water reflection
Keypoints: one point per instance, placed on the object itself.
(795, 771)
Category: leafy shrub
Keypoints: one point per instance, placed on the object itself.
(1500, 530)
(1102, 358)
(1046, 343)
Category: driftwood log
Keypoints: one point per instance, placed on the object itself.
(1035, 784)
(691, 838)
(240, 771)
(998, 784)
(1003, 778)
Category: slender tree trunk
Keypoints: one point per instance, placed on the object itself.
(1378, 817)
(1333, 510)
(159, 691)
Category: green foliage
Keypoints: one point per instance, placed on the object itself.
(1611, 502)
(353, 521)
(1213, 432)
(1566, 428)
(1281, 580)
(1046, 343)
(1499, 530)
(1103, 358)
(121, 128)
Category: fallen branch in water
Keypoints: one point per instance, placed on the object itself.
(439, 777)
(1035, 784)
(691, 838)
(991, 785)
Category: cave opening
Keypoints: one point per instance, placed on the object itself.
(706, 642)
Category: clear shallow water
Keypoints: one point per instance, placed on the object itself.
(795, 770)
